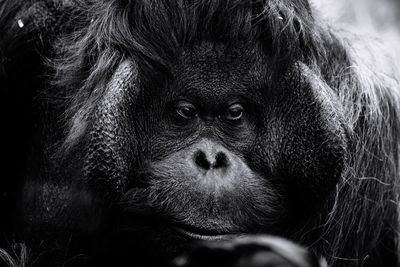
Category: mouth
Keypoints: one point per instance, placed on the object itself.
(206, 234)
(150, 216)
(190, 231)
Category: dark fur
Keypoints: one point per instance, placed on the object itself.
(361, 221)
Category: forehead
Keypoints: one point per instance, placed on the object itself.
(215, 70)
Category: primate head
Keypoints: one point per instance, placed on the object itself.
(209, 131)
(215, 148)
(220, 144)
(189, 121)
(217, 143)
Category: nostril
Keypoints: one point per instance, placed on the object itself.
(221, 161)
(201, 160)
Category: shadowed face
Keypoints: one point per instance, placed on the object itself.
(224, 150)
(201, 129)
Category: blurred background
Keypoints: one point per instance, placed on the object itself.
(376, 18)
(379, 16)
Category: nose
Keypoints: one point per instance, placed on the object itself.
(207, 160)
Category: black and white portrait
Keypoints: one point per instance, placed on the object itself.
(200, 133)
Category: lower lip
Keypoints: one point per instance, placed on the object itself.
(186, 230)
(206, 237)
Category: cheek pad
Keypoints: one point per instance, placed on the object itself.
(110, 137)
(306, 137)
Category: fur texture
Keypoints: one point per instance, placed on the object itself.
(362, 220)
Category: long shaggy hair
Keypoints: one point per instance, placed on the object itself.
(362, 220)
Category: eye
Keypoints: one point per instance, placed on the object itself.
(186, 110)
(234, 112)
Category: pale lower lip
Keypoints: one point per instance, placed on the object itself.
(206, 237)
